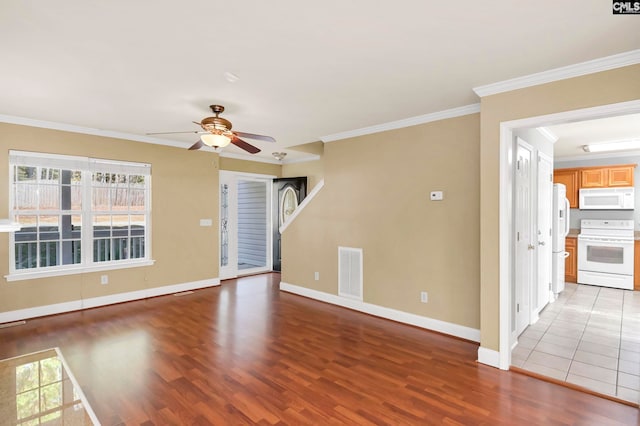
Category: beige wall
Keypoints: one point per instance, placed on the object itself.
(597, 89)
(244, 166)
(376, 196)
(313, 170)
(184, 190)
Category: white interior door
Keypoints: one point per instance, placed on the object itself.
(245, 224)
(524, 238)
(544, 225)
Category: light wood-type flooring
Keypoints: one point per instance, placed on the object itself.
(246, 353)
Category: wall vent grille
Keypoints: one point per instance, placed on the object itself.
(350, 272)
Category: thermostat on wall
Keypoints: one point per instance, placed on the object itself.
(436, 195)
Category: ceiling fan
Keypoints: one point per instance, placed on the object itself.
(216, 132)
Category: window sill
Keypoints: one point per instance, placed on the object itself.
(21, 276)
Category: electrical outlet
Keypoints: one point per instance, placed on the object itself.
(104, 279)
(424, 298)
(317, 276)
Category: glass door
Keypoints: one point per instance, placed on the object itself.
(245, 224)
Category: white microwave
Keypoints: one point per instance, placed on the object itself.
(607, 198)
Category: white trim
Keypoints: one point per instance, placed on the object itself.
(77, 388)
(248, 157)
(255, 158)
(631, 57)
(231, 173)
(302, 205)
(23, 121)
(547, 134)
(21, 276)
(407, 122)
(506, 246)
(7, 225)
(387, 313)
(312, 157)
(75, 305)
(505, 208)
(489, 357)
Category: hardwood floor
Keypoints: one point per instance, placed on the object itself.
(246, 353)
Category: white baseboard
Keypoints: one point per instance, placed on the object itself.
(75, 305)
(489, 357)
(388, 313)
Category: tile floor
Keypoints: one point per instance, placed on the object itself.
(590, 337)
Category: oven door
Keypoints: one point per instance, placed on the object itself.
(605, 255)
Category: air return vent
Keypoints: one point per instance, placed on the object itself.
(350, 272)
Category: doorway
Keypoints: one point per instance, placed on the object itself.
(507, 211)
(245, 224)
(288, 194)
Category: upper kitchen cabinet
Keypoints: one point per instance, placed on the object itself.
(621, 175)
(606, 177)
(569, 178)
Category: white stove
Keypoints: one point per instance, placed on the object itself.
(605, 253)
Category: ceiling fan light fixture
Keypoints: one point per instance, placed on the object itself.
(216, 140)
(279, 155)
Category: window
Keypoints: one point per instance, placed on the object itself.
(77, 213)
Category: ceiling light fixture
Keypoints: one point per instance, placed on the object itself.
(279, 155)
(216, 140)
(613, 146)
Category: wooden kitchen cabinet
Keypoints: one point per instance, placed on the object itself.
(570, 179)
(621, 175)
(636, 265)
(571, 262)
(607, 177)
(593, 178)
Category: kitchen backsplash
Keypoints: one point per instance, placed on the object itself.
(577, 215)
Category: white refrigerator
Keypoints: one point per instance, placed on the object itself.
(559, 231)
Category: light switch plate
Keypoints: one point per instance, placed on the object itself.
(206, 222)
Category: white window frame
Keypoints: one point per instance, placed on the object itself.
(87, 166)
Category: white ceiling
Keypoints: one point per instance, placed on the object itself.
(306, 69)
(573, 136)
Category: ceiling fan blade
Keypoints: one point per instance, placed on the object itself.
(254, 136)
(196, 145)
(244, 145)
(174, 133)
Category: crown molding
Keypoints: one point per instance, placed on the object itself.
(312, 157)
(257, 159)
(23, 121)
(547, 134)
(631, 57)
(407, 122)
(247, 157)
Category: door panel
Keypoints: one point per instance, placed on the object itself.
(544, 258)
(245, 224)
(524, 237)
(288, 194)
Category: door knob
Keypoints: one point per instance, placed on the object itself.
(531, 247)
(540, 243)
